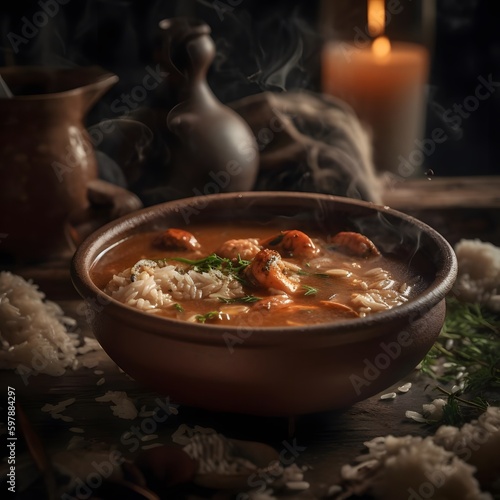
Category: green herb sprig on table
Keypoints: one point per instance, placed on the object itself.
(466, 356)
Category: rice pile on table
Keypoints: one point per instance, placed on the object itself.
(33, 332)
(455, 463)
(401, 467)
(478, 277)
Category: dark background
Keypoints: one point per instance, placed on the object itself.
(256, 40)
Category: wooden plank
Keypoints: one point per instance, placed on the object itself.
(457, 207)
(442, 193)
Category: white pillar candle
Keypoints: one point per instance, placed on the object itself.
(384, 83)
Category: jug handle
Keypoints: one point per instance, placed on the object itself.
(106, 203)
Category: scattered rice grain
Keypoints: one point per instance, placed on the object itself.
(75, 443)
(389, 395)
(405, 387)
(341, 273)
(149, 437)
(123, 408)
(418, 417)
(297, 485)
(150, 446)
(89, 362)
(334, 489)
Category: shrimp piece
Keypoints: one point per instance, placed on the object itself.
(246, 249)
(178, 239)
(268, 270)
(292, 243)
(354, 244)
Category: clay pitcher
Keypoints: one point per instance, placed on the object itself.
(46, 158)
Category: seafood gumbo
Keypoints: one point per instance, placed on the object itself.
(254, 276)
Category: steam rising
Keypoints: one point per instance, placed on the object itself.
(270, 54)
(309, 144)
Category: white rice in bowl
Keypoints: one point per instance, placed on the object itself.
(151, 287)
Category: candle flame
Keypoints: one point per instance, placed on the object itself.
(381, 47)
(376, 17)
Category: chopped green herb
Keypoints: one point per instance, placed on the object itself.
(319, 275)
(202, 318)
(247, 299)
(215, 262)
(178, 307)
(310, 290)
(466, 356)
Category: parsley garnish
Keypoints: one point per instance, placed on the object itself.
(215, 262)
(310, 290)
(247, 299)
(202, 318)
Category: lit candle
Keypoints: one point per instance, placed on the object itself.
(384, 83)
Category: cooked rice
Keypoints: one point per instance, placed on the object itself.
(153, 286)
(150, 446)
(55, 411)
(156, 288)
(478, 277)
(373, 290)
(456, 457)
(397, 466)
(215, 453)
(33, 331)
(379, 292)
(481, 437)
(297, 485)
(388, 395)
(123, 406)
(405, 387)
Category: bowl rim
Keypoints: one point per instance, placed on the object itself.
(86, 254)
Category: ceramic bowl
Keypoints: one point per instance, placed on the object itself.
(274, 371)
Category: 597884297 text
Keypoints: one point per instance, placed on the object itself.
(11, 439)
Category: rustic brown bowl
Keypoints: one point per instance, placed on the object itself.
(274, 371)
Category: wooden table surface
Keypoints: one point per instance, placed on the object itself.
(325, 441)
